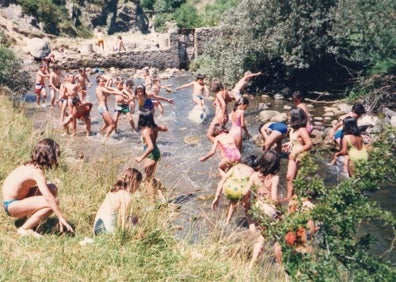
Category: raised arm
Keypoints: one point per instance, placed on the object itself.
(185, 85)
(160, 98)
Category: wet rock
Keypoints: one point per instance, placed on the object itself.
(192, 140)
(280, 117)
(263, 106)
(279, 97)
(266, 115)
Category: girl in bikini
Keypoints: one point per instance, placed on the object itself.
(351, 145)
(26, 192)
(224, 140)
(149, 133)
(115, 206)
(237, 118)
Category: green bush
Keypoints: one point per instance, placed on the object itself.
(11, 74)
(187, 16)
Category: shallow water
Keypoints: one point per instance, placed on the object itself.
(191, 184)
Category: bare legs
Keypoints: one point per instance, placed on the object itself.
(35, 206)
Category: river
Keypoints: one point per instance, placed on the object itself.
(190, 183)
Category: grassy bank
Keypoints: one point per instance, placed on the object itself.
(146, 252)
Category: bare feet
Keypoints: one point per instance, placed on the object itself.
(28, 232)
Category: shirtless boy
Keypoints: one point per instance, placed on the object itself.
(242, 83)
(55, 83)
(72, 91)
(122, 105)
(156, 89)
(84, 82)
(199, 90)
(102, 91)
(39, 87)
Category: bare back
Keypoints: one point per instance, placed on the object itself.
(19, 182)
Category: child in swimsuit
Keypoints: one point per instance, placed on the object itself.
(122, 105)
(26, 192)
(238, 121)
(273, 133)
(200, 90)
(146, 99)
(39, 87)
(298, 100)
(231, 153)
(266, 198)
(356, 112)
(115, 206)
(149, 133)
(351, 145)
(300, 144)
(222, 98)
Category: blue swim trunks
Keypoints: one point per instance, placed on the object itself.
(6, 204)
(338, 134)
(278, 126)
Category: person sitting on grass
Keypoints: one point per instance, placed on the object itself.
(26, 192)
(115, 206)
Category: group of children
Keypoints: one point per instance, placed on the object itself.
(253, 183)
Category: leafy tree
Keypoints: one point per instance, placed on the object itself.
(365, 30)
(187, 16)
(147, 4)
(292, 40)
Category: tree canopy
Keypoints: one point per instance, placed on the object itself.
(329, 40)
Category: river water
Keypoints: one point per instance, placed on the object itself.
(190, 183)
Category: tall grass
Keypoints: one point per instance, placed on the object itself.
(147, 251)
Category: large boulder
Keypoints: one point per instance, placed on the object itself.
(38, 48)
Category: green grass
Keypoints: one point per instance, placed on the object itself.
(146, 252)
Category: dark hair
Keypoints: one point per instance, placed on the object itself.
(298, 95)
(298, 118)
(146, 119)
(242, 101)
(216, 86)
(99, 77)
(268, 163)
(140, 86)
(358, 109)
(350, 127)
(129, 177)
(45, 154)
(200, 76)
(81, 69)
(217, 129)
(129, 82)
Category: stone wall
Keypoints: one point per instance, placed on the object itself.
(203, 36)
(170, 52)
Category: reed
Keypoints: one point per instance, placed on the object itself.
(147, 251)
